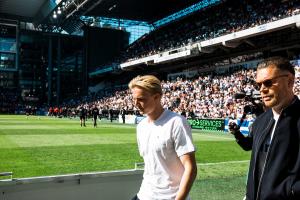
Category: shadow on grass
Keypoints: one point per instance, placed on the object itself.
(232, 188)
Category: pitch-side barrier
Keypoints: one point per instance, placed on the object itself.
(114, 185)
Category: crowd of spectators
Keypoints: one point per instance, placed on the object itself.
(229, 16)
(207, 96)
(204, 96)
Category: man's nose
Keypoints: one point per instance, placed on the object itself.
(263, 88)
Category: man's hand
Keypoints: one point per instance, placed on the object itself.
(233, 128)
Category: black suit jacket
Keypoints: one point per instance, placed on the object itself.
(281, 173)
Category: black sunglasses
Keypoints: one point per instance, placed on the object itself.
(269, 82)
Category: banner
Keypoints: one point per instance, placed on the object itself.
(207, 124)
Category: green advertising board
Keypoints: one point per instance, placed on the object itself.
(207, 124)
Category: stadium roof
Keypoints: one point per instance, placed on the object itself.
(58, 15)
(20, 9)
(145, 10)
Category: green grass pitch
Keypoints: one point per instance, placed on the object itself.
(40, 146)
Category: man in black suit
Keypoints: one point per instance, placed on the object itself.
(274, 172)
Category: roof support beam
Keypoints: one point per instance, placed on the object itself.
(231, 44)
(44, 12)
(206, 49)
(250, 43)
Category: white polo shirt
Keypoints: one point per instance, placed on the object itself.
(161, 143)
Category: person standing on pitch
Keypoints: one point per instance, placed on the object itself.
(123, 115)
(95, 113)
(165, 143)
(274, 172)
(82, 115)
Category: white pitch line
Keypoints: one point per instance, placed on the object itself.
(228, 162)
(215, 137)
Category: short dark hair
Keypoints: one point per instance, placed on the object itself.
(279, 62)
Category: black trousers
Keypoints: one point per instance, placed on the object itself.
(135, 198)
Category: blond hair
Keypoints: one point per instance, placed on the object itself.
(148, 82)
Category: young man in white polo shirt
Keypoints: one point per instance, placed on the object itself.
(165, 142)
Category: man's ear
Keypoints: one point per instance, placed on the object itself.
(157, 96)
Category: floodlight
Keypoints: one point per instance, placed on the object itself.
(54, 15)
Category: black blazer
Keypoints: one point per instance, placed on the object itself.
(281, 173)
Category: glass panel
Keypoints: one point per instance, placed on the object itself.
(8, 45)
(7, 60)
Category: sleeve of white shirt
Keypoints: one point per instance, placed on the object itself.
(182, 136)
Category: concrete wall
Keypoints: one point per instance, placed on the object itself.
(117, 185)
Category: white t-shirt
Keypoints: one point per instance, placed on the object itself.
(276, 117)
(161, 143)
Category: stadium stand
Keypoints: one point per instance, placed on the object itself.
(203, 96)
(232, 16)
